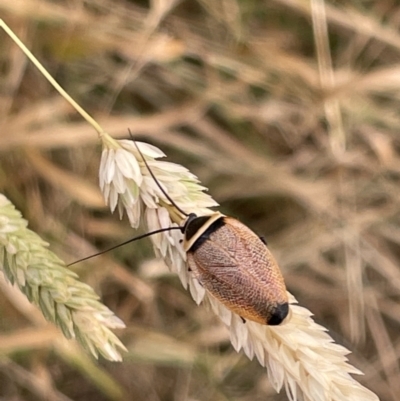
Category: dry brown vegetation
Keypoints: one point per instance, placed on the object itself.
(294, 132)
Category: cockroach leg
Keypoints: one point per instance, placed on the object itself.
(263, 240)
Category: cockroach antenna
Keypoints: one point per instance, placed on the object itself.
(154, 177)
(161, 230)
(152, 232)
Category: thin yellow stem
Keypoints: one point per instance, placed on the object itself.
(53, 82)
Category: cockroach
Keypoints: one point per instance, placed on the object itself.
(236, 267)
(231, 262)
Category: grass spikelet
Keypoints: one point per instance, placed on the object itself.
(299, 354)
(70, 304)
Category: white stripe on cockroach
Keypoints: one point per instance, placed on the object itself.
(231, 262)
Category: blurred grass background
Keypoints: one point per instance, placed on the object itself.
(288, 110)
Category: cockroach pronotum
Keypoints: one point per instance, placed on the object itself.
(231, 262)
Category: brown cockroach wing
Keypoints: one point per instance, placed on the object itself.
(237, 268)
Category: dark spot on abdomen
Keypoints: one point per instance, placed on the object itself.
(279, 314)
